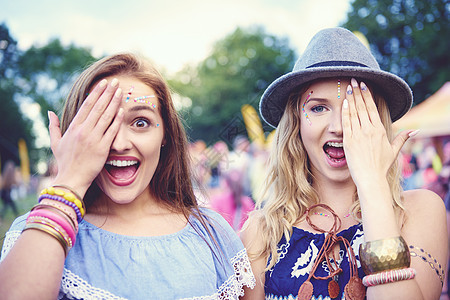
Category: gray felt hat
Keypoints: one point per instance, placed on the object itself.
(335, 52)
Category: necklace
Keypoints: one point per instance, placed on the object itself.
(325, 215)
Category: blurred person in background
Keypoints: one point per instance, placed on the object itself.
(9, 182)
(232, 203)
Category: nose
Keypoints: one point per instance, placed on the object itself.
(335, 125)
(121, 142)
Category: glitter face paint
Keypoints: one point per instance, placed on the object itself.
(142, 99)
(129, 94)
(303, 107)
(339, 89)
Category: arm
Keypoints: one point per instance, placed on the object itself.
(33, 267)
(251, 238)
(369, 156)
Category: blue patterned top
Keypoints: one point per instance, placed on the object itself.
(297, 258)
(105, 265)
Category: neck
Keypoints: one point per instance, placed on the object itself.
(337, 195)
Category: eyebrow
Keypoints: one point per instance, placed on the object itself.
(142, 107)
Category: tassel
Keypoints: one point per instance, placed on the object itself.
(333, 289)
(354, 289)
(306, 291)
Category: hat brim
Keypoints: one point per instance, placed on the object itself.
(395, 90)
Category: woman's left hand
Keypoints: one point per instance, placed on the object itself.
(368, 151)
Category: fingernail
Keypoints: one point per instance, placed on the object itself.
(414, 133)
(120, 112)
(354, 83)
(114, 82)
(345, 103)
(103, 83)
(349, 90)
(363, 86)
(118, 92)
(49, 119)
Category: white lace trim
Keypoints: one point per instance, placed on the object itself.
(74, 287)
(232, 288)
(10, 239)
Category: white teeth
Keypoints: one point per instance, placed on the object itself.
(334, 144)
(121, 163)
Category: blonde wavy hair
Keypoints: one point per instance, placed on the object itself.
(288, 189)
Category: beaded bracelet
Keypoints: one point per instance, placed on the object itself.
(68, 196)
(389, 276)
(70, 214)
(69, 189)
(66, 202)
(384, 255)
(55, 219)
(426, 257)
(49, 230)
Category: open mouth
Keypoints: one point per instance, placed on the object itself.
(122, 170)
(334, 151)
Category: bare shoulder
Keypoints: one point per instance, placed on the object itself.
(421, 202)
(251, 231)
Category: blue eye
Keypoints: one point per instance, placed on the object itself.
(318, 109)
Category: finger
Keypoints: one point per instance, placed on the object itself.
(360, 105)
(53, 129)
(346, 122)
(112, 130)
(110, 112)
(372, 110)
(352, 109)
(89, 102)
(400, 140)
(102, 103)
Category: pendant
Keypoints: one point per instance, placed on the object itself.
(354, 289)
(306, 291)
(333, 289)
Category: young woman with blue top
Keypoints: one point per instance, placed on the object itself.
(121, 220)
(334, 222)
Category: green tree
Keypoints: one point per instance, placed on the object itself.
(47, 72)
(13, 125)
(238, 70)
(409, 38)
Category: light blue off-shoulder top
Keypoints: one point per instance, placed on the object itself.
(189, 264)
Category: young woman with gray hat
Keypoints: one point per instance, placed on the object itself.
(334, 221)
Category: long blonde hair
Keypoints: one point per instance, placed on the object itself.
(288, 189)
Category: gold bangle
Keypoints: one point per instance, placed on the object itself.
(47, 229)
(382, 255)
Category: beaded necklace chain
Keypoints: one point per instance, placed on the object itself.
(325, 215)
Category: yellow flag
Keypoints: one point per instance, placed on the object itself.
(24, 161)
(253, 125)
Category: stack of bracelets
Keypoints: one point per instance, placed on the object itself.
(53, 216)
(385, 261)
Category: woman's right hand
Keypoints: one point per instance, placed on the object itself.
(83, 149)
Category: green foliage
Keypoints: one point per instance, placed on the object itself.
(409, 38)
(48, 72)
(238, 70)
(13, 125)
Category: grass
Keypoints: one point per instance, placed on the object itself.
(23, 205)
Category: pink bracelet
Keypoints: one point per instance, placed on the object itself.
(389, 276)
(54, 226)
(57, 219)
(60, 207)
